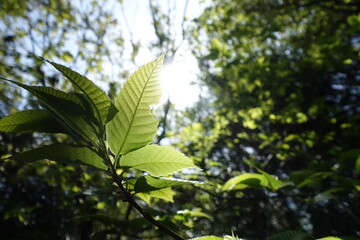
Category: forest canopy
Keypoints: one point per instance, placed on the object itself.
(272, 146)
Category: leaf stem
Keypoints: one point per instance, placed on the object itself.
(142, 211)
(118, 180)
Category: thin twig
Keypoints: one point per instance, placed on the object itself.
(142, 211)
(164, 121)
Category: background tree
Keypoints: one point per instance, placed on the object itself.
(284, 82)
(47, 200)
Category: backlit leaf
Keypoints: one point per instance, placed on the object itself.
(194, 213)
(100, 102)
(273, 182)
(207, 238)
(149, 183)
(157, 160)
(166, 194)
(330, 238)
(135, 126)
(244, 181)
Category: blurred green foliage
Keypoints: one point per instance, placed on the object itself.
(283, 112)
(284, 92)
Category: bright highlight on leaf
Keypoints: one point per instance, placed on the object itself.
(330, 238)
(166, 194)
(254, 180)
(273, 182)
(149, 183)
(208, 238)
(244, 181)
(135, 126)
(194, 213)
(157, 160)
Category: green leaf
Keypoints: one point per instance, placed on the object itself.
(157, 160)
(98, 99)
(149, 183)
(166, 194)
(135, 126)
(194, 213)
(67, 107)
(62, 153)
(357, 164)
(314, 179)
(145, 197)
(208, 238)
(254, 180)
(330, 238)
(30, 121)
(273, 182)
(244, 181)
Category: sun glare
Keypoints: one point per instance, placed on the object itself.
(178, 82)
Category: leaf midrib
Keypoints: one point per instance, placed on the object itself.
(92, 103)
(136, 109)
(83, 91)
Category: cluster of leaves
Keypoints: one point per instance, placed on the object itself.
(112, 137)
(278, 145)
(115, 137)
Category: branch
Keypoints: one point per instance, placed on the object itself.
(155, 24)
(134, 45)
(163, 122)
(182, 27)
(145, 214)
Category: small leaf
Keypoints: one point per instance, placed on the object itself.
(330, 238)
(207, 238)
(357, 164)
(244, 181)
(194, 213)
(145, 197)
(98, 99)
(273, 182)
(31, 121)
(149, 183)
(67, 56)
(166, 194)
(157, 160)
(62, 153)
(135, 126)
